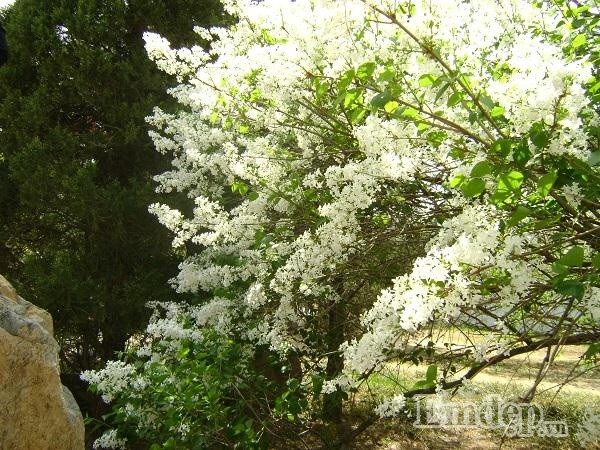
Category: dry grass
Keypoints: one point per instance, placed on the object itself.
(510, 379)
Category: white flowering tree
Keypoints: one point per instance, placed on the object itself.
(368, 174)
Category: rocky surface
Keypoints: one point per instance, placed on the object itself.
(36, 411)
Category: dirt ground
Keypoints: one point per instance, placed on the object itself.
(514, 376)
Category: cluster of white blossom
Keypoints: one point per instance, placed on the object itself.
(110, 440)
(113, 379)
(257, 77)
(467, 247)
(168, 326)
(391, 407)
(289, 158)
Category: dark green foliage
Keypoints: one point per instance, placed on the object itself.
(204, 393)
(76, 164)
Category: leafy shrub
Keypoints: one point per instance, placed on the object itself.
(190, 389)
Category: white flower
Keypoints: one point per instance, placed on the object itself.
(572, 194)
(110, 440)
(113, 379)
(290, 182)
(391, 407)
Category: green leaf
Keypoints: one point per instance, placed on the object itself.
(431, 375)
(240, 186)
(497, 111)
(576, 12)
(596, 261)
(441, 90)
(521, 154)
(255, 95)
(455, 99)
(560, 269)
(390, 107)
(481, 169)
(456, 181)
(345, 80)
(538, 135)
(594, 158)
(422, 384)
(387, 75)
(365, 71)
(595, 88)
(502, 146)
(423, 126)
(473, 187)
(579, 40)
(592, 351)
(351, 97)
(252, 196)
(545, 183)
(500, 196)
(183, 352)
(358, 114)
(520, 213)
(317, 383)
(580, 166)
(571, 288)
(320, 88)
(508, 185)
(380, 100)
(409, 113)
(546, 223)
(426, 80)
(510, 181)
(267, 37)
(573, 258)
(293, 384)
(487, 101)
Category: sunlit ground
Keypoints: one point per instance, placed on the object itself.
(510, 380)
